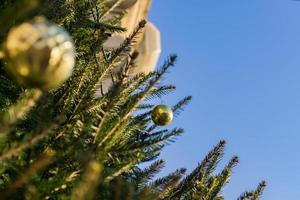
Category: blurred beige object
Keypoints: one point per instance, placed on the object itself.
(149, 50)
(135, 13)
(136, 10)
(148, 43)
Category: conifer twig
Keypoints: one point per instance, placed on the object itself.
(17, 111)
(40, 164)
(15, 151)
(126, 43)
(123, 47)
(85, 190)
(116, 4)
(223, 178)
(125, 168)
(254, 195)
(170, 62)
(202, 171)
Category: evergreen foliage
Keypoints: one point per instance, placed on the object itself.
(69, 144)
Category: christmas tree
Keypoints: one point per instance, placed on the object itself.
(81, 131)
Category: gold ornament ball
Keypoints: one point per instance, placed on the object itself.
(39, 54)
(162, 115)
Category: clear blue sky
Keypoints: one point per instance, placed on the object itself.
(241, 62)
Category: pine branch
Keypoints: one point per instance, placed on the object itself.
(124, 168)
(161, 91)
(254, 195)
(19, 110)
(25, 145)
(147, 174)
(108, 11)
(123, 47)
(179, 107)
(108, 27)
(170, 62)
(222, 178)
(166, 184)
(145, 107)
(202, 172)
(38, 165)
(86, 189)
(156, 141)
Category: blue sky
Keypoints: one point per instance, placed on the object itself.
(241, 62)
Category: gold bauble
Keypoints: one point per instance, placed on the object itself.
(162, 115)
(39, 54)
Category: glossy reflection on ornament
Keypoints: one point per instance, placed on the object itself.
(39, 54)
(162, 115)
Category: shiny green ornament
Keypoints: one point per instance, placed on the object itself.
(39, 54)
(162, 115)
